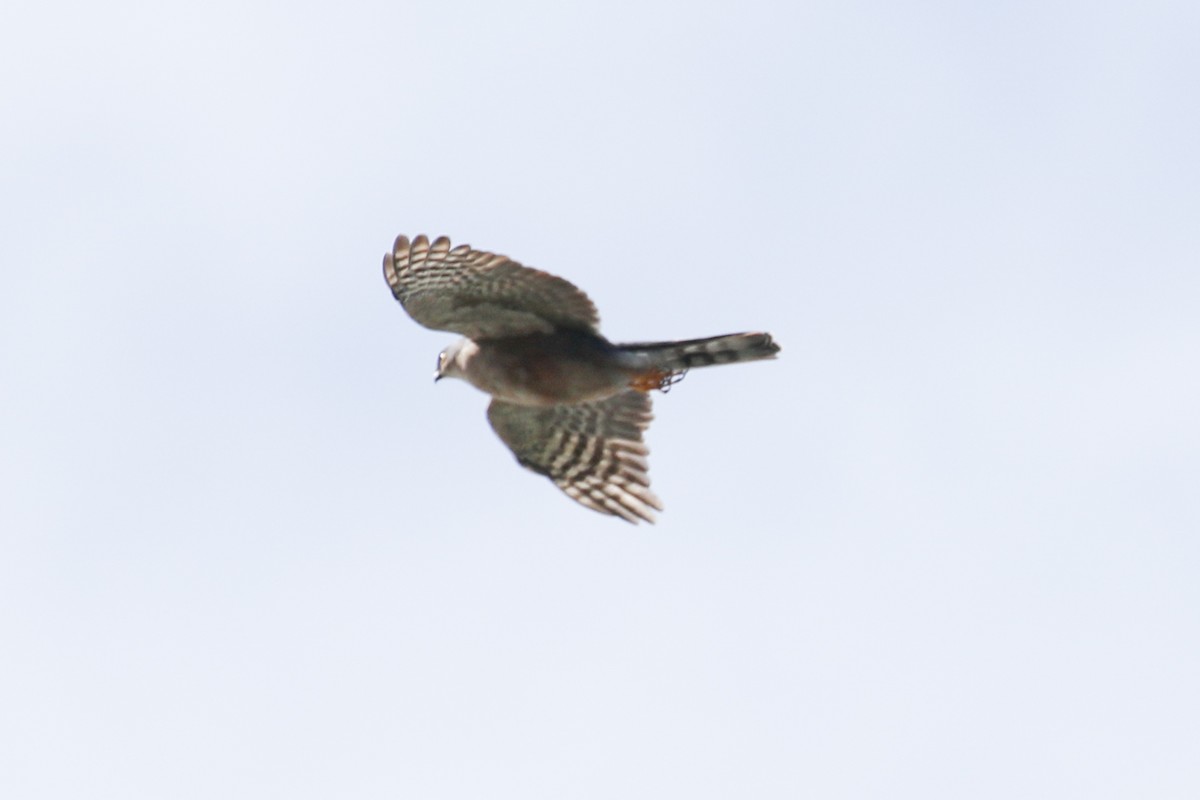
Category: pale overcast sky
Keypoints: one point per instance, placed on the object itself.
(947, 546)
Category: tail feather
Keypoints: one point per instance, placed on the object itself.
(728, 349)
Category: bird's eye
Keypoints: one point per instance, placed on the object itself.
(441, 360)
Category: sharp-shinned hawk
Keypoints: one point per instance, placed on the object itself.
(570, 404)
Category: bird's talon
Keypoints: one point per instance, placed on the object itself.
(659, 379)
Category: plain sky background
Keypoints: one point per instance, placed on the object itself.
(945, 547)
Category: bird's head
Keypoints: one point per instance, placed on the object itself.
(452, 362)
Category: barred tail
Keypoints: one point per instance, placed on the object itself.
(728, 349)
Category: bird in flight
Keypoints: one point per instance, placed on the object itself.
(570, 404)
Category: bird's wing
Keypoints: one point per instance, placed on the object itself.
(481, 295)
(592, 451)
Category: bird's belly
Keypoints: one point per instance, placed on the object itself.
(537, 377)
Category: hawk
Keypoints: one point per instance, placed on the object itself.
(570, 404)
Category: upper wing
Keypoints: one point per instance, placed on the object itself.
(592, 451)
(481, 295)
